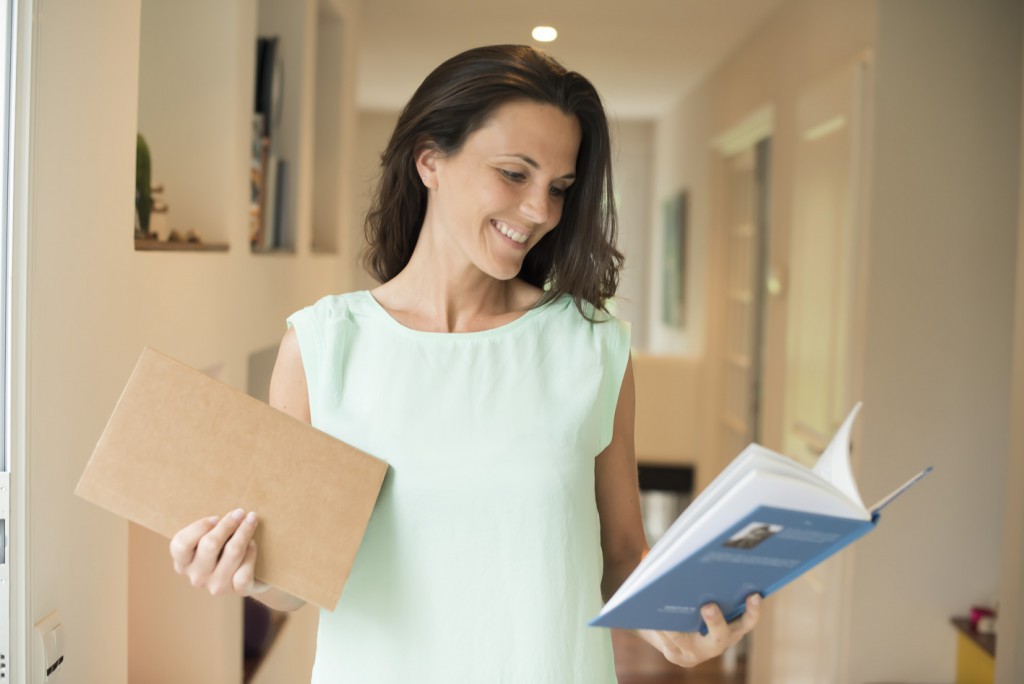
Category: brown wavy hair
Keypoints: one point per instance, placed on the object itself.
(579, 256)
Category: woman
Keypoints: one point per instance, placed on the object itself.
(487, 372)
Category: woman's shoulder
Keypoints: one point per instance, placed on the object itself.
(569, 318)
(584, 312)
(336, 308)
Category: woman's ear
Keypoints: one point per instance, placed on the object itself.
(427, 157)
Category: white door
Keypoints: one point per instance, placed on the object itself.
(742, 330)
(804, 642)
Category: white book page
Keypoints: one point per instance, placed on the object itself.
(770, 486)
(834, 463)
(754, 457)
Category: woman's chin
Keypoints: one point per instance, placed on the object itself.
(503, 269)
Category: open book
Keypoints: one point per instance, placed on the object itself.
(763, 522)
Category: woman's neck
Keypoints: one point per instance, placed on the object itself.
(436, 295)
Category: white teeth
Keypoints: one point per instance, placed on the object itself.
(508, 232)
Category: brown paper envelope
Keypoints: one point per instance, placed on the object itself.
(181, 446)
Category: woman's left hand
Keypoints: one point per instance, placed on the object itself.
(691, 648)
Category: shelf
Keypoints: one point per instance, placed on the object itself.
(282, 251)
(197, 73)
(986, 642)
(158, 246)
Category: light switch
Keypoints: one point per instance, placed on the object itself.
(51, 632)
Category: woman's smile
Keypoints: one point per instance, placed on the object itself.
(513, 235)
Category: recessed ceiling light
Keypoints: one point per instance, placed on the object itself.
(544, 34)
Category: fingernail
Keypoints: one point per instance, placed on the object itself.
(238, 513)
(707, 611)
(755, 600)
(251, 517)
(212, 519)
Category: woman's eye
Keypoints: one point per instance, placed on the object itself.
(557, 191)
(513, 175)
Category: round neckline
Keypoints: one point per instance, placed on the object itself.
(475, 334)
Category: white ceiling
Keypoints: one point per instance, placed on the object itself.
(642, 55)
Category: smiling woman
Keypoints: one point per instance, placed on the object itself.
(487, 372)
(460, 97)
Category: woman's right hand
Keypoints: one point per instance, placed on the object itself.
(219, 554)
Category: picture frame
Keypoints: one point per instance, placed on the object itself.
(675, 236)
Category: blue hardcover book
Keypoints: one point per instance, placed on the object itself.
(763, 522)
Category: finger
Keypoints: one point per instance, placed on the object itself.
(244, 580)
(209, 548)
(183, 544)
(750, 617)
(232, 557)
(714, 619)
(719, 635)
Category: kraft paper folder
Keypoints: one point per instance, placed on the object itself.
(181, 446)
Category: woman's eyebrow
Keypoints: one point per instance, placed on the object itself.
(529, 161)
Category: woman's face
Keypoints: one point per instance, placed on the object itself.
(493, 200)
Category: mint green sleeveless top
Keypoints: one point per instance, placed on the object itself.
(482, 560)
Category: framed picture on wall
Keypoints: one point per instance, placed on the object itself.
(673, 259)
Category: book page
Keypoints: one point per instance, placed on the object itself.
(834, 464)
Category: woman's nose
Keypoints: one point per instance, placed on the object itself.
(536, 205)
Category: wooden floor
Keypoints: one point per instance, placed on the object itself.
(637, 662)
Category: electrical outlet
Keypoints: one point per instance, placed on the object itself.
(5, 575)
(51, 632)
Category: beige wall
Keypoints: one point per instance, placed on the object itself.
(939, 325)
(85, 304)
(1010, 656)
(632, 150)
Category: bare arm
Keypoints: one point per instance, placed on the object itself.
(288, 390)
(618, 495)
(623, 543)
(289, 394)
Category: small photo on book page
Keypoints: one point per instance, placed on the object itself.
(752, 535)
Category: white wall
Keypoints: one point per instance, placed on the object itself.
(374, 132)
(632, 165)
(86, 303)
(937, 365)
